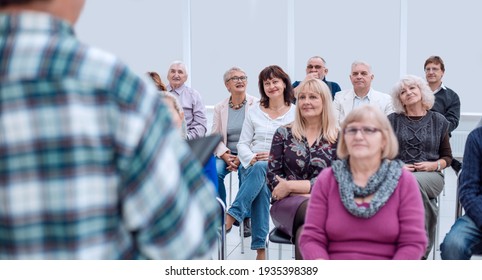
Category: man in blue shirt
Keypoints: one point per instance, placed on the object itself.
(91, 166)
(465, 237)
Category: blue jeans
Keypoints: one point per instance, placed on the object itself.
(253, 198)
(222, 172)
(463, 240)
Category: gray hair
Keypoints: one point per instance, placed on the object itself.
(361, 62)
(316, 57)
(232, 69)
(178, 62)
(428, 97)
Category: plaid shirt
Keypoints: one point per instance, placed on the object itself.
(91, 166)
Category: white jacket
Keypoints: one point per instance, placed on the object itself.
(344, 100)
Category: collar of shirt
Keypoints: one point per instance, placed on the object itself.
(357, 101)
(177, 91)
(442, 86)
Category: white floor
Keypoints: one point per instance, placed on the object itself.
(236, 250)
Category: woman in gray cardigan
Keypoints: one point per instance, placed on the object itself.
(424, 142)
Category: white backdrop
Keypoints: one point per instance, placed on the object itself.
(212, 35)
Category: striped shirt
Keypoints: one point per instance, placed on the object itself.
(91, 166)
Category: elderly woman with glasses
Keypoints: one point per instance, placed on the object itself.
(228, 121)
(424, 143)
(366, 205)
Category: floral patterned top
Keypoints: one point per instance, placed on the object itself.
(296, 160)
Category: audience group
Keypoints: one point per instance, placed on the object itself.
(345, 174)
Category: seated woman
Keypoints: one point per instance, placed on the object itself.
(366, 205)
(424, 143)
(228, 120)
(157, 81)
(177, 114)
(262, 120)
(299, 152)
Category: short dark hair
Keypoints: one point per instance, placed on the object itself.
(270, 72)
(435, 59)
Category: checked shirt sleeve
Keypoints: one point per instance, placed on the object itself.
(166, 200)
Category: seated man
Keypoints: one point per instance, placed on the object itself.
(465, 237)
(316, 68)
(361, 77)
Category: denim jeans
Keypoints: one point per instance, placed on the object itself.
(253, 198)
(463, 240)
(222, 172)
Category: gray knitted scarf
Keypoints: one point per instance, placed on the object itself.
(382, 184)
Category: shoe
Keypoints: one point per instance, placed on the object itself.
(247, 227)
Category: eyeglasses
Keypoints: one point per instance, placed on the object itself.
(237, 79)
(433, 69)
(314, 66)
(365, 130)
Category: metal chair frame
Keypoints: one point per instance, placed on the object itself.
(222, 234)
(276, 236)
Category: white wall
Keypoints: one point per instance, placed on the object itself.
(213, 35)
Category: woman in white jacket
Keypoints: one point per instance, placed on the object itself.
(274, 110)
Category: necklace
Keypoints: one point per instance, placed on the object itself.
(237, 106)
(415, 118)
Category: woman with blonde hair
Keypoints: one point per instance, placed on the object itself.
(299, 152)
(366, 205)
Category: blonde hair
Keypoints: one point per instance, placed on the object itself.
(428, 98)
(177, 106)
(375, 116)
(328, 122)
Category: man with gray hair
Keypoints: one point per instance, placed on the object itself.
(361, 77)
(316, 68)
(190, 99)
(91, 166)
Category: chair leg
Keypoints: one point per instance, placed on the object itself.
(436, 246)
(230, 188)
(241, 236)
(267, 247)
(222, 250)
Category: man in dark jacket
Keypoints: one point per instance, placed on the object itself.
(447, 101)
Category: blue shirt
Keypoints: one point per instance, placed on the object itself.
(470, 189)
(91, 166)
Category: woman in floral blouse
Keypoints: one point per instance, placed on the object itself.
(299, 152)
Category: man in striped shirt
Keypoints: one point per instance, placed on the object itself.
(91, 166)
